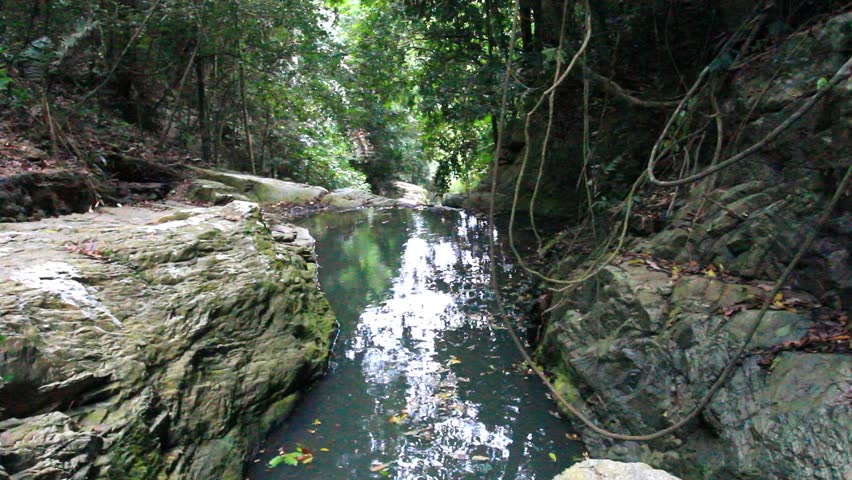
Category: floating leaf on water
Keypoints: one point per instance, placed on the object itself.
(323, 449)
(453, 360)
(398, 419)
(552, 456)
(317, 421)
(480, 458)
(302, 455)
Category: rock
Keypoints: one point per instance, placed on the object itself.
(265, 190)
(351, 198)
(216, 193)
(34, 154)
(408, 194)
(143, 344)
(762, 209)
(44, 194)
(138, 170)
(454, 200)
(636, 353)
(609, 470)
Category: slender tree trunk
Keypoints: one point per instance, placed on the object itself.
(202, 109)
(264, 142)
(245, 114)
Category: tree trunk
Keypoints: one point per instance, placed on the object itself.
(526, 15)
(245, 114)
(202, 109)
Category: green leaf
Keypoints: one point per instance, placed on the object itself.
(291, 459)
(552, 456)
(822, 83)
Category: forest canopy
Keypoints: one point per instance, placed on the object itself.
(353, 93)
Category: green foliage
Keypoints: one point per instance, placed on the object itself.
(337, 92)
(5, 80)
(43, 58)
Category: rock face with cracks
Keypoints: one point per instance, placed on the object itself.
(141, 344)
(636, 350)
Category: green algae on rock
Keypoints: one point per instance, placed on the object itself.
(145, 344)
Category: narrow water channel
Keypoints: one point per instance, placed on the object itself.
(423, 384)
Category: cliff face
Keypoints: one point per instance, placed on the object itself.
(140, 344)
(638, 345)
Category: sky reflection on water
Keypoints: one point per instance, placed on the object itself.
(420, 378)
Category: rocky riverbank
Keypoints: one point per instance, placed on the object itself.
(640, 343)
(160, 342)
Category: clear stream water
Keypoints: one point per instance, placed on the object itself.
(421, 378)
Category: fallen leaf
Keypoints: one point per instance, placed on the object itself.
(732, 310)
(654, 265)
(552, 456)
(479, 458)
(379, 467)
(398, 419)
(778, 301)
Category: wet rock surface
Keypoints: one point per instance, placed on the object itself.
(142, 343)
(350, 199)
(609, 470)
(258, 189)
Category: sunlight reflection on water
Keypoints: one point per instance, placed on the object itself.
(421, 379)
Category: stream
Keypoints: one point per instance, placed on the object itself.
(423, 383)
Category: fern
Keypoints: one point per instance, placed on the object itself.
(41, 59)
(37, 58)
(68, 42)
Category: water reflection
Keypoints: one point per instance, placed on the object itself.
(421, 379)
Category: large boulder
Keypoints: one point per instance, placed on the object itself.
(754, 220)
(44, 194)
(407, 194)
(636, 349)
(352, 198)
(265, 190)
(593, 469)
(146, 344)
